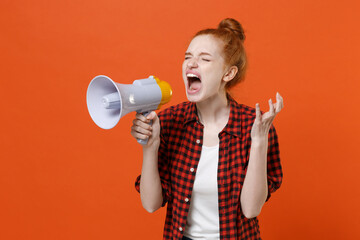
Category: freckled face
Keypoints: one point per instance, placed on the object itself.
(203, 68)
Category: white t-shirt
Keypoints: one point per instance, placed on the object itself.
(203, 216)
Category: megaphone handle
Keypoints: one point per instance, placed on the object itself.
(144, 141)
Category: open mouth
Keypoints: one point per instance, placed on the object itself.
(194, 82)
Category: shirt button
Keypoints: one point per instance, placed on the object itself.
(180, 229)
(198, 141)
(186, 199)
(192, 169)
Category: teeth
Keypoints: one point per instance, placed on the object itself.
(191, 75)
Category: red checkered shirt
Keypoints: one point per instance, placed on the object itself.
(179, 153)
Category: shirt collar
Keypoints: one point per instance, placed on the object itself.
(191, 113)
(233, 126)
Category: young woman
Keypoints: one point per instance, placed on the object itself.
(214, 162)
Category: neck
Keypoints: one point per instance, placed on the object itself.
(214, 110)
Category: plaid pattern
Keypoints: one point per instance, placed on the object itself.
(179, 154)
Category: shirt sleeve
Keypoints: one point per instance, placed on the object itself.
(163, 160)
(274, 170)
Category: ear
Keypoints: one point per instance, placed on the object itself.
(230, 74)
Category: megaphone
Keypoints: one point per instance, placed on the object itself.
(108, 101)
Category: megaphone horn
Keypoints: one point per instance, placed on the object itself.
(108, 101)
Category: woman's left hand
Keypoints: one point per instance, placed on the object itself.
(262, 123)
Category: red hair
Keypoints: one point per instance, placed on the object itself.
(231, 33)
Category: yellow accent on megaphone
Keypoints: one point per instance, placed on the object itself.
(166, 91)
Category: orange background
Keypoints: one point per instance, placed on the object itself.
(62, 177)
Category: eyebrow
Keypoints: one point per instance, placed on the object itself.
(202, 53)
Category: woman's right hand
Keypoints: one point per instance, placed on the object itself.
(141, 129)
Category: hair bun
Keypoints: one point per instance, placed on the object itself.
(234, 26)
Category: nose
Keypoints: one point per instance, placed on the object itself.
(192, 63)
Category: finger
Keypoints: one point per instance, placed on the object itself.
(151, 116)
(258, 113)
(271, 105)
(139, 130)
(139, 136)
(141, 124)
(141, 117)
(279, 102)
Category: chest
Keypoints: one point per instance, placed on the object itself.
(185, 155)
(211, 134)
